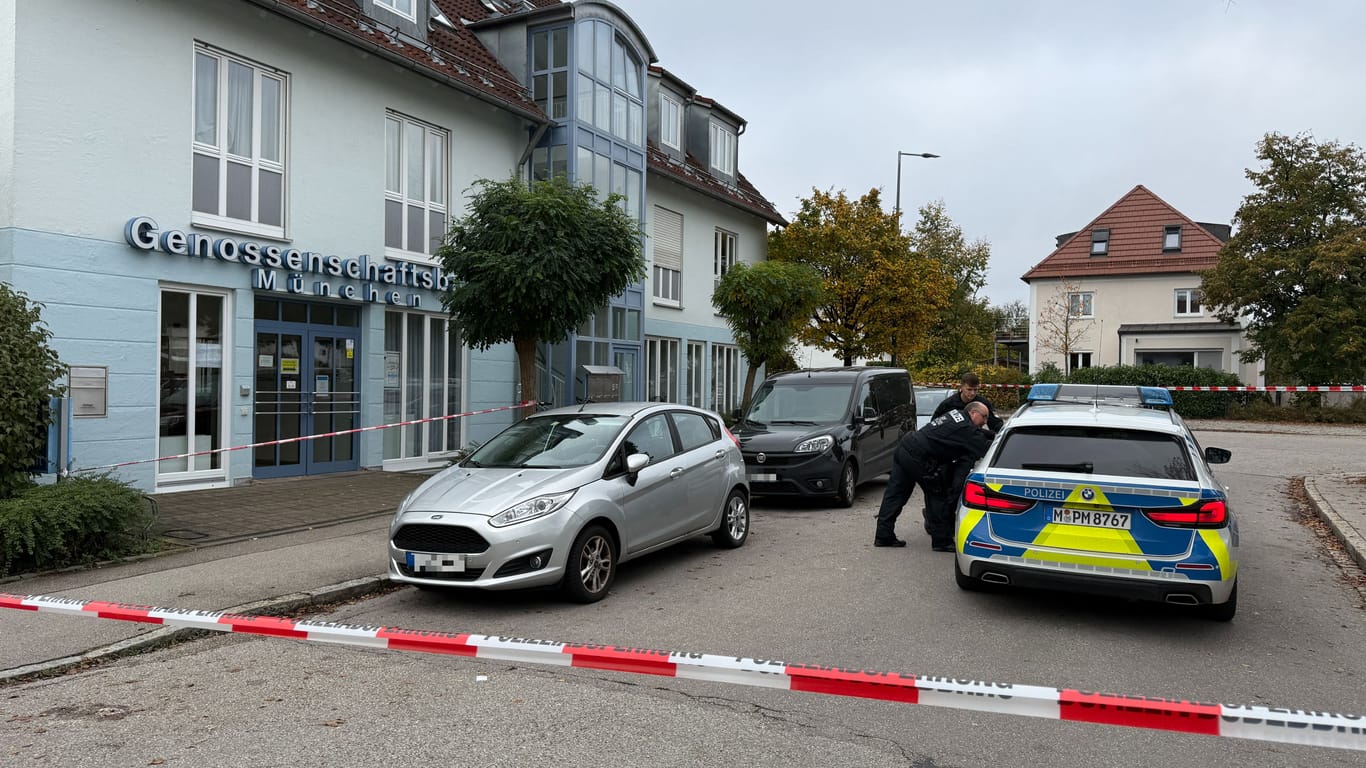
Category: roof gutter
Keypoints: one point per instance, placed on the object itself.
(308, 20)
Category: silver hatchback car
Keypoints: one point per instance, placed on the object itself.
(564, 496)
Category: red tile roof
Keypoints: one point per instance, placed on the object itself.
(1136, 222)
(694, 175)
(454, 55)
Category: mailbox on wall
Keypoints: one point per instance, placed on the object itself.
(89, 391)
(602, 383)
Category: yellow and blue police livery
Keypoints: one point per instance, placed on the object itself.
(1100, 489)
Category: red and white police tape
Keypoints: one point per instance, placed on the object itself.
(1333, 388)
(525, 404)
(1293, 726)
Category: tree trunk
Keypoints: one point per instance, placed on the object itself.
(749, 387)
(526, 366)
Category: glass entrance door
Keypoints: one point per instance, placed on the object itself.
(305, 385)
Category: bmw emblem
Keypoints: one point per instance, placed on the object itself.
(1088, 494)
(761, 458)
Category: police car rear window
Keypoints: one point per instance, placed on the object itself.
(1095, 451)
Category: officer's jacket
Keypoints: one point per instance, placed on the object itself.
(948, 438)
(954, 402)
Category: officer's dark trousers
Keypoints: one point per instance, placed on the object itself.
(941, 504)
(907, 471)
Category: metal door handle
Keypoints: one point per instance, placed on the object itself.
(719, 455)
(675, 472)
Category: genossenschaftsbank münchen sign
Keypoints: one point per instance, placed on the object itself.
(269, 261)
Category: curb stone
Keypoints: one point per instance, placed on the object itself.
(1353, 541)
(345, 590)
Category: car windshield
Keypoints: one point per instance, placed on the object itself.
(926, 400)
(546, 442)
(799, 402)
(1100, 451)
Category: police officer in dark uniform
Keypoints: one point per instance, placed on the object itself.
(919, 457)
(968, 390)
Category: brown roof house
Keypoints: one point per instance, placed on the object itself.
(1125, 290)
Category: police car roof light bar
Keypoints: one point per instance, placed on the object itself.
(1097, 393)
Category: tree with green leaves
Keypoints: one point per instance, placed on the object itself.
(765, 305)
(964, 328)
(879, 296)
(30, 374)
(532, 262)
(1295, 269)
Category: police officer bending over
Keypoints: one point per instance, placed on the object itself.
(919, 459)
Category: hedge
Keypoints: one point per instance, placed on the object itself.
(1191, 405)
(81, 520)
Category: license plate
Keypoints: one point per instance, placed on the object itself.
(769, 477)
(425, 563)
(1091, 518)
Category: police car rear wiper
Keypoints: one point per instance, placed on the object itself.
(1080, 466)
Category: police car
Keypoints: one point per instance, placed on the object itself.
(1104, 490)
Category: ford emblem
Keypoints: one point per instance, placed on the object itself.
(761, 458)
(1088, 494)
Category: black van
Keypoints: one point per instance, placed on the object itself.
(819, 432)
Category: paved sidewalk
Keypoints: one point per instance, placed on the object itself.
(276, 546)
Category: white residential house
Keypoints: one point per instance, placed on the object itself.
(1130, 281)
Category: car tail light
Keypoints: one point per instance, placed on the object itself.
(732, 436)
(979, 496)
(1202, 514)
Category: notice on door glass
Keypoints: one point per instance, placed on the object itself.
(265, 361)
(350, 349)
(289, 365)
(321, 385)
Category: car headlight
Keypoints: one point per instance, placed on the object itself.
(530, 509)
(815, 444)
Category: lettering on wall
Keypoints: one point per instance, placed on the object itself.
(283, 270)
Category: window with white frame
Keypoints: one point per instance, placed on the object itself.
(661, 370)
(668, 257)
(670, 121)
(405, 8)
(423, 378)
(693, 374)
(1081, 304)
(414, 185)
(723, 149)
(725, 377)
(1078, 360)
(723, 255)
(192, 381)
(1188, 302)
(238, 172)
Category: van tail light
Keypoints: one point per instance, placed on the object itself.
(979, 496)
(1211, 513)
(732, 436)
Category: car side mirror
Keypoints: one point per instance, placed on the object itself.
(636, 462)
(1217, 455)
(868, 415)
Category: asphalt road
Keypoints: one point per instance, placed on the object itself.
(808, 587)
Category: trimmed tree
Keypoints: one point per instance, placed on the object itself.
(1295, 271)
(29, 377)
(1063, 322)
(530, 263)
(765, 304)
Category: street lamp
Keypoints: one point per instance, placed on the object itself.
(899, 155)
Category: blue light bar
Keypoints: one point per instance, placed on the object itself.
(1044, 392)
(1154, 396)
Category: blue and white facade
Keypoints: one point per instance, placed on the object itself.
(228, 210)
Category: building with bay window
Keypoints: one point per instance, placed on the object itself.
(232, 231)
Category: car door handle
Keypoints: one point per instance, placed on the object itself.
(675, 472)
(719, 455)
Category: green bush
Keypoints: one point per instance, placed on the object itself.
(1004, 398)
(29, 373)
(1191, 405)
(80, 520)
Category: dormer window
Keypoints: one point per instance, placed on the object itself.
(405, 8)
(670, 121)
(1171, 238)
(723, 149)
(1100, 242)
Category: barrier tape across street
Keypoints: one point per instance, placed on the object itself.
(1329, 388)
(1291, 726)
(525, 404)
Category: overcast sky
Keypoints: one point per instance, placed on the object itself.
(1044, 112)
